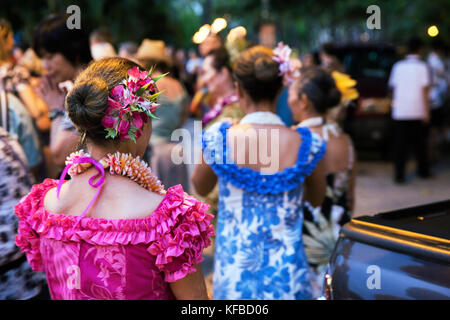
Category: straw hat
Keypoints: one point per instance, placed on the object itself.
(152, 49)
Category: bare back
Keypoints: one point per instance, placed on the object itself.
(120, 198)
(337, 157)
(267, 148)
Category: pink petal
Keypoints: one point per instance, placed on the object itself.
(134, 72)
(117, 92)
(108, 122)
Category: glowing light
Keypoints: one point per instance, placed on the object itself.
(218, 25)
(206, 28)
(433, 31)
(238, 32)
(201, 34)
(365, 37)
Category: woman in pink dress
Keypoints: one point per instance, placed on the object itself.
(112, 231)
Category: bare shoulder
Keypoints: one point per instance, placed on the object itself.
(120, 198)
(130, 200)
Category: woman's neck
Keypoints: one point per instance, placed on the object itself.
(251, 107)
(98, 152)
(310, 114)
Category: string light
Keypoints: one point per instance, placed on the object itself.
(238, 32)
(218, 25)
(201, 34)
(433, 31)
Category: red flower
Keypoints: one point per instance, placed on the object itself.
(124, 126)
(108, 122)
(137, 120)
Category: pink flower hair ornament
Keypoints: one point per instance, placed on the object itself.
(130, 104)
(289, 67)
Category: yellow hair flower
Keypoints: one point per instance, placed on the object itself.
(345, 85)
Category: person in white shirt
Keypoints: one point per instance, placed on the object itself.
(410, 81)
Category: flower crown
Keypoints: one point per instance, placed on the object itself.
(289, 68)
(130, 104)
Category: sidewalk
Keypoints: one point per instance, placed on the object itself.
(376, 192)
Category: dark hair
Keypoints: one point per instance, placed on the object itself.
(437, 44)
(221, 59)
(53, 36)
(329, 48)
(130, 47)
(319, 87)
(87, 102)
(257, 72)
(414, 44)
(101, 35)
(160, 65)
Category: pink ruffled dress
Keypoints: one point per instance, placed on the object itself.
(114, 258)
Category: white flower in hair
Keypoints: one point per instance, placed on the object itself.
(289, 68)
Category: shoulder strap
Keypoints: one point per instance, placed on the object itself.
(98, 184)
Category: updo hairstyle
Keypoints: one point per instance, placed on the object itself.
(258, 74)
(87, 102)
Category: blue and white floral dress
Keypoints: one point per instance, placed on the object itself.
(259, 251)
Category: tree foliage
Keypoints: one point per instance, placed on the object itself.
(303, 24)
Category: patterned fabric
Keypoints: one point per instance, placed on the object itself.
(114, 258)
(322, 224)
(259, 250)
(21, 128)
(14, 76)
(19, 281)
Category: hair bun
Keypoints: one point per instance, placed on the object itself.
(334, 97)
(266, 69)
(86, 103)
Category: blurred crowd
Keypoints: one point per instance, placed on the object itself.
(36, 133)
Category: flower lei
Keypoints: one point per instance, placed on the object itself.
(120, 164)
(289, 68)
(130, 104)
(218, 108)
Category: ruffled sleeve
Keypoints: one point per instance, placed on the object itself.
(27, 238)
(214, 143)
(316, 150)
(183, 231)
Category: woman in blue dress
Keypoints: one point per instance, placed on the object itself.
(264, 170)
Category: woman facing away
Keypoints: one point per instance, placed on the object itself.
(124, 237)
(258, 247)
(310, 97)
